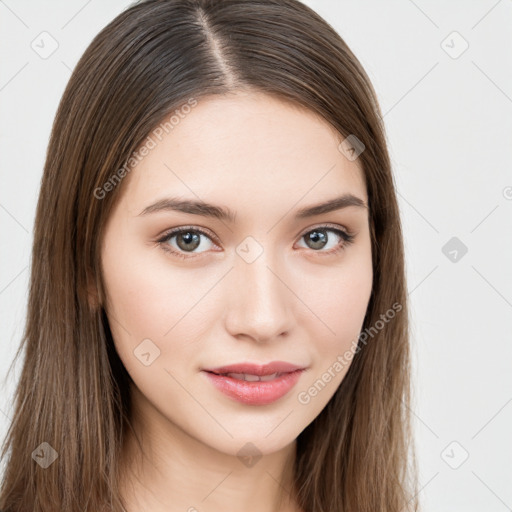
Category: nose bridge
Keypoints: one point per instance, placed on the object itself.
(260, 306)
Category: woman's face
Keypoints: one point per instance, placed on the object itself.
(266, 285)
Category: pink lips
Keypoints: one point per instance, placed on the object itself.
(255, 392)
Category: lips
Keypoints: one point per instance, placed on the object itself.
(254, 384)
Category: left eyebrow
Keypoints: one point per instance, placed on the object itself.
(210, 210)
(337, 203)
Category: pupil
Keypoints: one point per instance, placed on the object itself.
(188, 238)
(318, 238)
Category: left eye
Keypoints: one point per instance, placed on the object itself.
(319, 239)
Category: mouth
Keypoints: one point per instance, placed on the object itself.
(255, 384)
(250, 377)
(254, 369)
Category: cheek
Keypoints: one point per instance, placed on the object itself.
(138, 298)
(339, 298)
(347, 304)
(148, 299)
(341, 308)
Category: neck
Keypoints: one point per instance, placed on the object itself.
(172, 471)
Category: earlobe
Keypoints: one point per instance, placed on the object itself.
(93, 296)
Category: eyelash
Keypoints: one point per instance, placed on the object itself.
(347, 238)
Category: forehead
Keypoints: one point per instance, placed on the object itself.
(244, 148)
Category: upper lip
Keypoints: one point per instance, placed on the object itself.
(257, 369)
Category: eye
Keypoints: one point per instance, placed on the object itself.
(318, 239)
(187, 240)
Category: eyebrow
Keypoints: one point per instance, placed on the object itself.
(223, 213)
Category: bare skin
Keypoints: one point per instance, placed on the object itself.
(298, 301)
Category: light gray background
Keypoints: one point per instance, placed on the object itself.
(449, 125)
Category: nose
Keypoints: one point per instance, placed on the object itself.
(260, 306)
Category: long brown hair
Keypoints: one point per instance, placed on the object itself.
(153, 58)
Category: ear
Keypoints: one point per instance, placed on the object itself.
(93, 296)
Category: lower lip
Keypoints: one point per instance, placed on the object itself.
(255, 393)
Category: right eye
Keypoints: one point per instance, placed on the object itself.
(187, 240)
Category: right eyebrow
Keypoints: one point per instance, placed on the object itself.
(191, 206)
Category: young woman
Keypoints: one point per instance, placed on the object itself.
(217, 316)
